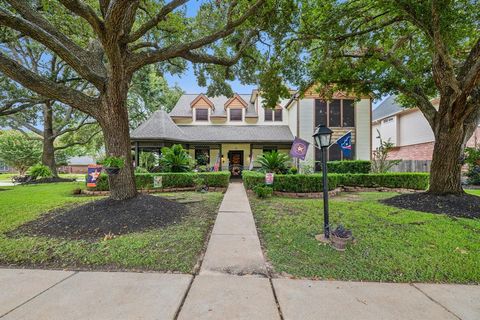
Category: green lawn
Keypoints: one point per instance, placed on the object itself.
(8, 176)
(174, 248)
(475, 192)
(392, 244)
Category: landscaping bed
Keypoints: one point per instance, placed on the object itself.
(106, 217)
(391, 244)
(466, 205)
(159, 241)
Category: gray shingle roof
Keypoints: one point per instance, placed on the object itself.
(183, 108)
(387, 108)
(159, 126)
(241, 133)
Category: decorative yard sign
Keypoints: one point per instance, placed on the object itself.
(158, 181)
(93, 171)
(299, 148)
(269, 178)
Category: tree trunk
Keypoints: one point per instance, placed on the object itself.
(48, 154)
(114, 123)
(446, 170)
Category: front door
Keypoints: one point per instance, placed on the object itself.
(235, 163)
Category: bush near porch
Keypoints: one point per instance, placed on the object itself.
(313, 182)
(349, 166)
(171, 180)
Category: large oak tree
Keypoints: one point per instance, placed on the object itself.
(127, 36)
(418, 49)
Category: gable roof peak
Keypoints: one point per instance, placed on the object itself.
(237, 97)
(203, 97)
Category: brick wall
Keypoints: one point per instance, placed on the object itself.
(424, 151)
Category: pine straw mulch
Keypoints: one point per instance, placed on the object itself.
(464, 206)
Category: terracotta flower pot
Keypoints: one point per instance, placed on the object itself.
(339, 243)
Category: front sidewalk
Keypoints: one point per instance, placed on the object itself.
(233, 283)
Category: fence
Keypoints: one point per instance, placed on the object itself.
(412, 166)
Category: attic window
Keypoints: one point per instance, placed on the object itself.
(388, 120)
(236, 114)
(201, 114)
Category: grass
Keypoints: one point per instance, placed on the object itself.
(392, 245)
(173, 248)
(474, 191)
(7, 177)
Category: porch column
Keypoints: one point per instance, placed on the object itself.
(137, 151)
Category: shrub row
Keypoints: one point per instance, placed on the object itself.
(171, 180)
(313, 182)
(350, 166)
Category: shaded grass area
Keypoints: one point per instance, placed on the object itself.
(392, 244)
(7, 177)
(172, 248)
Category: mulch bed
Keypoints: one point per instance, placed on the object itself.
(465, 206)
(97, 219)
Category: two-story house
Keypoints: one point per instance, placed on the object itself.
(237, 130)
(408, 130)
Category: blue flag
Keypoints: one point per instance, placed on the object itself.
(345, 143)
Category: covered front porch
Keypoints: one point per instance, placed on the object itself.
(232, 156)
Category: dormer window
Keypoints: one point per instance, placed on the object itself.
(201, 114)
(236, 114)
(274, 115)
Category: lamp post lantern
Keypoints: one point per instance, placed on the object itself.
(323, 137)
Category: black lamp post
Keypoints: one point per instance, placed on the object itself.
(323, 137)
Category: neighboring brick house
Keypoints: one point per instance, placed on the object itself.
(408, 130)
(238, 129)
(77, 165)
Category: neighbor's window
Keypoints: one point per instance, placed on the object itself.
(268, 114)
(278, 114)
(201, 114)
(235, 114)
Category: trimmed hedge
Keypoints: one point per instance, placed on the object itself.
(171, 180)
(291, 182)
(313, 182)
(349, 166)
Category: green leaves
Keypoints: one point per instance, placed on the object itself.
(19, 152)
(274, 162)
(175, 159)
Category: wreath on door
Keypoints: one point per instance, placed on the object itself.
(236, 171)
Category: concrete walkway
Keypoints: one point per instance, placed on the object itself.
(233, 283)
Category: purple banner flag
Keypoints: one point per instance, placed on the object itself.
(93, 171)
(299, 148)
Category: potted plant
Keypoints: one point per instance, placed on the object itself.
(340, 237)
(112, 165)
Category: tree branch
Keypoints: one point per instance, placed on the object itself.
(46, 87)
(178, 50)
(37, 28)
(68, 145)
(86, 12)
(161, 15)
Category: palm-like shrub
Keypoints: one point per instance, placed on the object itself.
(39, 171)
(175, 159)
(274, 162)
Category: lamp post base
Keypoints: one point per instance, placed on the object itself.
(321, 238)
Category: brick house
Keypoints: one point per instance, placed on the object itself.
(238, 129)
(408, 130)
